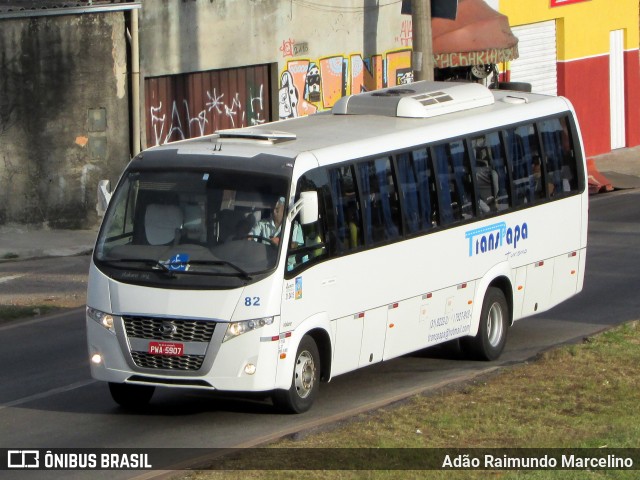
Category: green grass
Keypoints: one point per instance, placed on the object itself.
(576, 396)
(9, 313)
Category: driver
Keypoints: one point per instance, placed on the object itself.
(271, 227)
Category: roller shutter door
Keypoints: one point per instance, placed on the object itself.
(191, 105)
(537, 63)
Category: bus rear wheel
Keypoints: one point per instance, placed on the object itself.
(304, 384)
(492, 331)
(131, 397)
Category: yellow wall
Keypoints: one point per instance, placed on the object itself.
(583, 28)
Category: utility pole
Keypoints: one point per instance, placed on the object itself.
(422, 57)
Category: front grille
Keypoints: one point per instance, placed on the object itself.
(169, 329)
(184, 362)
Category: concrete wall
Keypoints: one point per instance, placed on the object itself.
(64, 120)
(343, 46)
(198, 35)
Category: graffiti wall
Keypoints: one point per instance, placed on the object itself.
(196, 104)
(311, 85)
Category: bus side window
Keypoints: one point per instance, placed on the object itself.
(560, 161)
(381, 213)
(526, 164)
(492, 176)
(346, 209)
(416, 183)
(314, 235)
(454, 181)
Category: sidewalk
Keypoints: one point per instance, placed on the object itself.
(619, 169)
(21, 242)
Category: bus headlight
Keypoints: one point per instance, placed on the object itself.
(104, 319)
(235, 329)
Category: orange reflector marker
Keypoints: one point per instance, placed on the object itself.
(391, 325)
(573, 272)
(469, 302)
(520, 287)
(283, 356)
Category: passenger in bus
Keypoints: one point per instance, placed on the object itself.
(352, 223)
(537, 175)
(312, 238)
(487, 181)
(271, 228)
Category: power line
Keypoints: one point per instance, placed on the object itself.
(318, 6)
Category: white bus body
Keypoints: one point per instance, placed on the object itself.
(414, 215)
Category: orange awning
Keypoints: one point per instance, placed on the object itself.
(478, 36)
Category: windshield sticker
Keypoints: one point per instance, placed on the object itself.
(178, 263)
(493, 237)
(298, 288)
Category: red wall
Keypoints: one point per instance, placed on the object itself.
(586, 84)
(632, 96)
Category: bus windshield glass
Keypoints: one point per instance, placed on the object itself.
(192, 229)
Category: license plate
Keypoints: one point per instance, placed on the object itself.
(165, 348)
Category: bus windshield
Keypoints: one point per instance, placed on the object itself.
(192, 229)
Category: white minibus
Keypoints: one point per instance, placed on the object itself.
(275, 257)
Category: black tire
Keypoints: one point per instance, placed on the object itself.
(492, 331)
(131, 397)
(304, 383)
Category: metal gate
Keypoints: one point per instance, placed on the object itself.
(537, 63)
(195, 104)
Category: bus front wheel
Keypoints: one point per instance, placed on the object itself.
(492, 331)
(132, 397)
(304, 384)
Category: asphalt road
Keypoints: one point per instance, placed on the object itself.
(48, 400)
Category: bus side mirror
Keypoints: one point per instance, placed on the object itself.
(309, 212)
(104, 196)
(307, 206)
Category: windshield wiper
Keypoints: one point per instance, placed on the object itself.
(241, 273)
(154, 264)
(165, 267)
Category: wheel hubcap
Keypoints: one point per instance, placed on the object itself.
(304, 374)
(495, 324)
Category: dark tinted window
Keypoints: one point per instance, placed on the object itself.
(492, 176)
(417, 184)
(381, 212)
(454, 181)
(346, 205)
(315, 243)
(370, 202)
(524, 152)
(559, 155)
